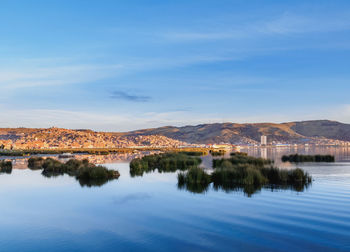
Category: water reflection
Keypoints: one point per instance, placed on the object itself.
(22, 162)
(5, 167)
(340, 153)
(84, 182)
(88, 174)
(248, 190)
(151, 214)
(263, 153)
(193, 187)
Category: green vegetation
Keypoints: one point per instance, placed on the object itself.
(238, 158)
(216, 153)
(238, 153)
(164, 162)
(95, 175)
(194, 153)
(86, 173)
(296, 158)
(35, 163)
(250, 179)
(244, 173)
(101, 151)
(6, 167)
(195, 180)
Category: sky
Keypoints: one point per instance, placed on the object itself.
(125, 65)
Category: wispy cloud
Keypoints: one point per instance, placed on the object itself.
(121, 95)
(285, 24)
(43, 75)
(37, 72)
(291, 24)
(38, 118)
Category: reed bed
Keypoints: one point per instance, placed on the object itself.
(241, 172)
(86, 173)
(164, 162)
(5, 167)
(297, 158)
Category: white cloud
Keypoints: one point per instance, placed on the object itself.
(43, 118)
(39, 75)
(285, 24)
(32, 72)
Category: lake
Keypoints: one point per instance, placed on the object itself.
(150, 213)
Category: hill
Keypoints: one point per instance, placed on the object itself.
(251, 132)
(234, 133)
(322, 128)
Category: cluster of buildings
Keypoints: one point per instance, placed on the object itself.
(307, 142)
(56, 138)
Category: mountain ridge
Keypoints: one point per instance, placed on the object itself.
(250, 132)
(232, 133)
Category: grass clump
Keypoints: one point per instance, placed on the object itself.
(297, 158)
(164, 162)
(239, 175)
(195, 180)
(216, 153)
(194, 153)
(86, 173)
(6, 167)
(238, 153)
(95, 175)
(35, 163)
(238, 158)
(244, 173)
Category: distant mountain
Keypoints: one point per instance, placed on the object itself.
(250, 132)
(322, 128)
(234, 133)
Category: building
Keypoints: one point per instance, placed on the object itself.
(263, 140)
(223, 146)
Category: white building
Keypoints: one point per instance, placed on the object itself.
(263, 140)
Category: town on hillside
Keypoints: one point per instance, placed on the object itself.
(58, 138)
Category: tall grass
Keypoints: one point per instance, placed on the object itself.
(242, 158)
(216, 153)
(194, 153)
(244, 173)
(6, 167)
(297, 158)
(101, 151)
(195, 180)
(164, 162)
(86, 173)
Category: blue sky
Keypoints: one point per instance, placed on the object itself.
(123, 65)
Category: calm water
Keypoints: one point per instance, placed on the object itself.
(150, 213)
